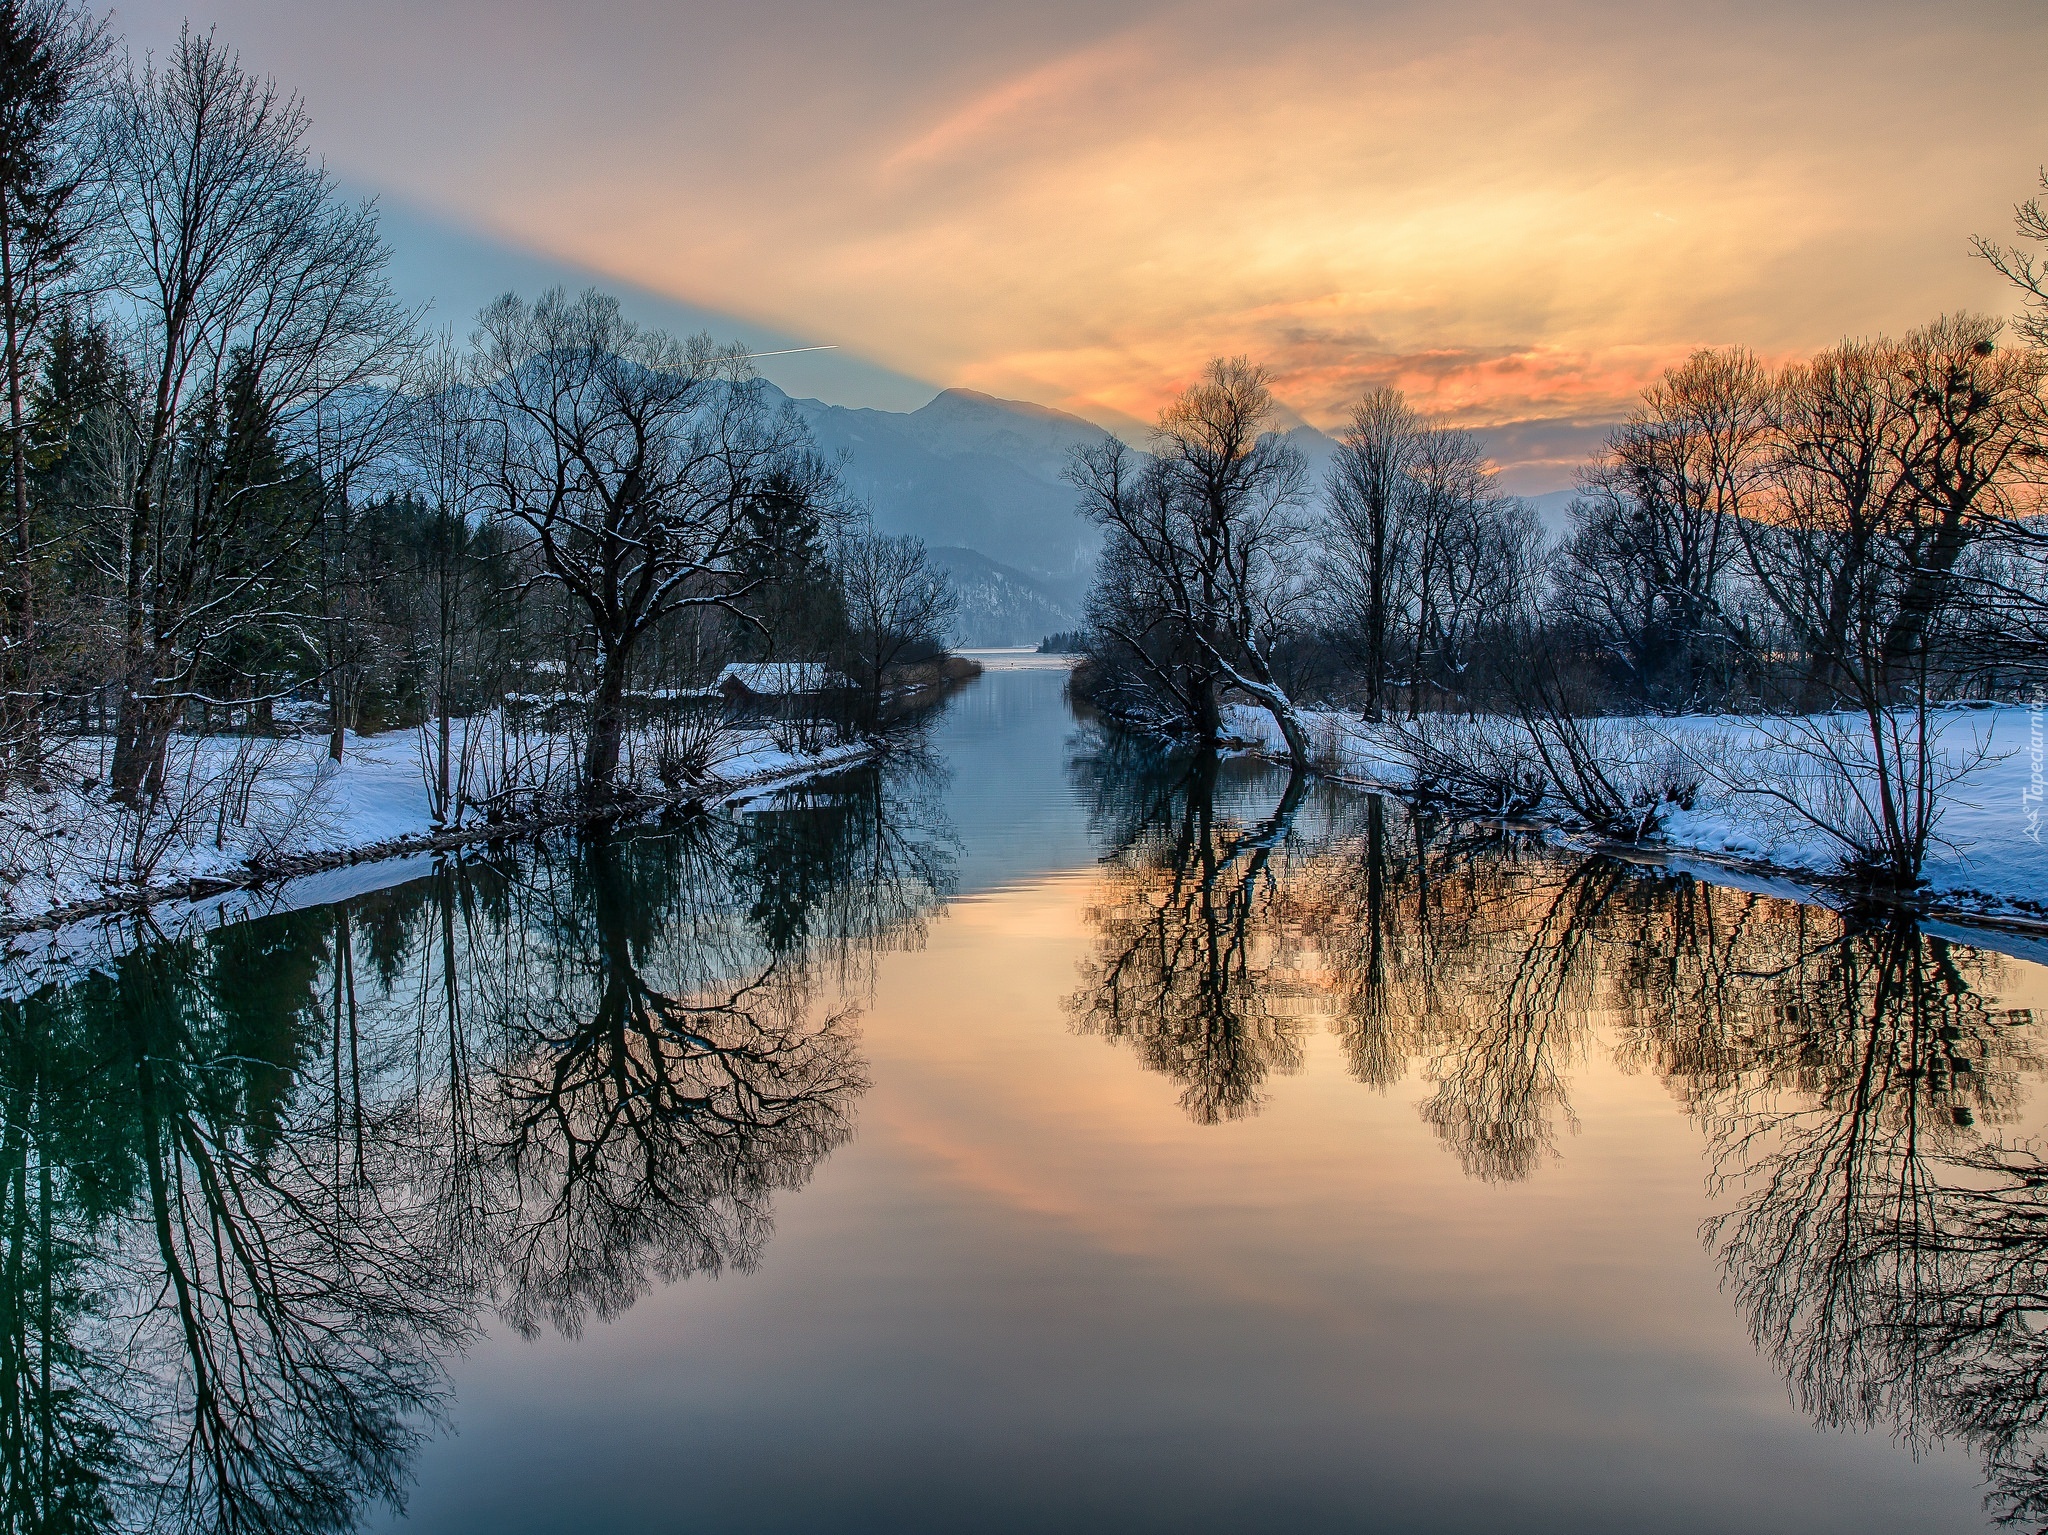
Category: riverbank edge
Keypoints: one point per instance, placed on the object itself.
(1837, 892)
(265, 874)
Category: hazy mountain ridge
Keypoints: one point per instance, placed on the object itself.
(1036, 438)
(1003, 606)
(981, 481)
(969, 471)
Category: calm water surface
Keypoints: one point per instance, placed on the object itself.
(1033, 1133)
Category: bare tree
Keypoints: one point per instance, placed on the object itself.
(898, 604)
(1832, 557)
(1889, 462)
(1367, 481)
(1836, 488)
(1469, 556)
(630, 460)
(2025, 269)
(1142, 663)
(1428, 554)
(1654, 536)
(1203, 540)
(2011, 586)
(234, 254)
(349, 434)
(446, 447)
(1977, 419)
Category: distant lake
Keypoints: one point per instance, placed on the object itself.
(1033, 1131)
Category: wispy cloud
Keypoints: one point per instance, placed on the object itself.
(1511, 215)
(987, 114)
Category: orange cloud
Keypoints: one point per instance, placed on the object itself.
(1510, 215)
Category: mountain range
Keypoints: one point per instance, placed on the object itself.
(1001, 605)
(968, 471)
(982, 481)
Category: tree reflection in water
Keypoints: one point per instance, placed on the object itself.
(256, 1186)
(1224, 922)
(1888, 1243)
(1883, 1230)
(1182, 970)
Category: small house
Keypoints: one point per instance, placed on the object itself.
(766, 681)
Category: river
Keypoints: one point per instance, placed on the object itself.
(1031, 1132)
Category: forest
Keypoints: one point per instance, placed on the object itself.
(255, 501)
(1832, 552)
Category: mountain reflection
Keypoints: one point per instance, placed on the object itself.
(257, 1185)
(1856, 1081)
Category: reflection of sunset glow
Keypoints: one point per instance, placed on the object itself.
(1513, 218)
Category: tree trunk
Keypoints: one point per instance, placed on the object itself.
(134, 736)
(17, 457)
(444, 657)
(339, 699)
(442, 802)
(1208, 714)
(132, 705)
(1929, 587)
(1281, 707)
(1375, 634)
(607, 727)
(1273, 698)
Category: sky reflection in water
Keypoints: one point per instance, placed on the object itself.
(1294, 1165)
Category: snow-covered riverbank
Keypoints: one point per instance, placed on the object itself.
(1987, 856)
(243, 810)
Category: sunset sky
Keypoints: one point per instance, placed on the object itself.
(1516, 213)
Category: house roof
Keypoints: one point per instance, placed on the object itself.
(775, 678)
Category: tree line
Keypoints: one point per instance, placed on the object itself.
(247, 487)
(1858, 532)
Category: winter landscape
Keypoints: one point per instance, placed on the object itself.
(1179, 766)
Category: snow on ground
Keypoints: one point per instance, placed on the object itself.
(1988, 854)
(236, 802)
(1019, 658)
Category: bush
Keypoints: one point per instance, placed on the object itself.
(1481, 766)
